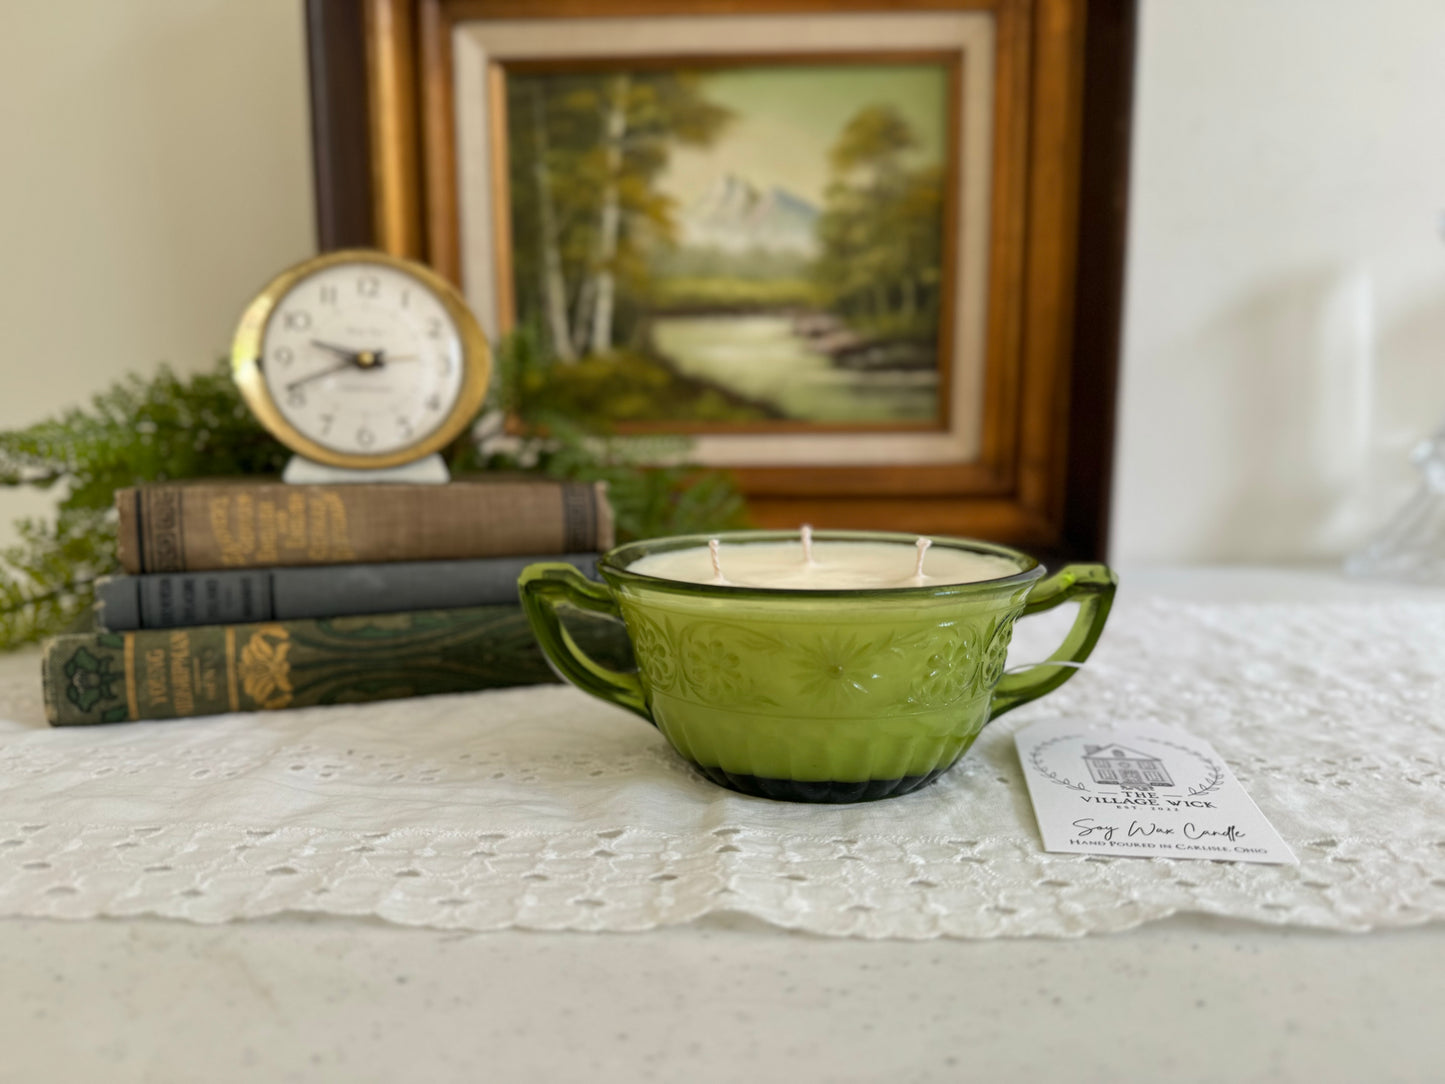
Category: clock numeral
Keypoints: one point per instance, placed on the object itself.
(406, 299)
(365, 437)
(328, 295)
(368, 286)
(296, 399)
(445, 364)
(296, 320)
(326, 420)
(283, 355)
(405, 427)
(433, 401)
(434, 328)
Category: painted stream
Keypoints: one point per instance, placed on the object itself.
(760, 357)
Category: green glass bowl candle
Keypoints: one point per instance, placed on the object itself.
(816, 696)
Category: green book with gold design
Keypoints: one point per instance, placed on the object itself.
(113, 677)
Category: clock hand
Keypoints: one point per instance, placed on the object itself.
(349, 355)
(362, 359)
(318, 375)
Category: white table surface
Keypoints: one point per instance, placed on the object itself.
(1188, 999)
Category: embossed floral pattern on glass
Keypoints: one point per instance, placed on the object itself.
(952, 672)
(652, 645)
(837, 669)
(815, 666)
(710, 665)
(997, 655)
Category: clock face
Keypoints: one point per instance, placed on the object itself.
(363, 359)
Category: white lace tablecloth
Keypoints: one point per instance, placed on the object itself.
(541, 808)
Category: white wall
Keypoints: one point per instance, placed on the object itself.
(154, 173)
(1285, 328)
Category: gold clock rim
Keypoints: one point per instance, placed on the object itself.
(246, 357)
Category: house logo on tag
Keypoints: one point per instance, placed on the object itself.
(1142, 769)
(1124, 767)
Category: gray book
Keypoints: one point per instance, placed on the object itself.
(166, 600)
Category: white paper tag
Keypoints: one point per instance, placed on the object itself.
(1143, 791)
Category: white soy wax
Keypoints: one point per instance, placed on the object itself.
(812, 564)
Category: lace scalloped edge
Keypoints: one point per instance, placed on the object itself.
(632, 880)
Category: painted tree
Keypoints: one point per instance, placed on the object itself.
(553, 287)
(873, 143)
(879, 231)
(644, 114)
(919, 222)
(589, 161)
(550, 130)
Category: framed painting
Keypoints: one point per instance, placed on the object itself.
(734, 245)
(839, 244)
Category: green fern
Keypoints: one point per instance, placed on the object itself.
(137, 431)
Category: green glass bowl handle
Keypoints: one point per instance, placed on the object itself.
(1093, 586)
(544, 587)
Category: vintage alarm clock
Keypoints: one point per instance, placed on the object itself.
(364, 364)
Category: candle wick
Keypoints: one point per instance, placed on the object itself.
(713, 547)
(922, 544)
(807, 533)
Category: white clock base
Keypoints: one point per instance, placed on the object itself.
(429, 470)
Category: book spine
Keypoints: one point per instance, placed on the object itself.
(164, 674)
(197, 527)
(166, 600)
(177, 599)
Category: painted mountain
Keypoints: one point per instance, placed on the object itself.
(735, 216)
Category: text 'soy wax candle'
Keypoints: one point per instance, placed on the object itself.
(809, 565)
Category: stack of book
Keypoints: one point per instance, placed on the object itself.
(243, 596)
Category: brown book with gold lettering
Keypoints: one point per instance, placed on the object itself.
(204, 525)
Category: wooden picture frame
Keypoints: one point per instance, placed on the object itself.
(384, 100)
